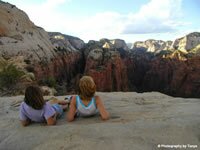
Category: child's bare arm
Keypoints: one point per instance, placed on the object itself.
(54, 100)
(63, 102)
(52, 120)
(72, 109)
(103, 112)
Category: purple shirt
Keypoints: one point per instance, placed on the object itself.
(27, 112)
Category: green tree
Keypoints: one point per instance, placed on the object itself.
(10, 75)
(49, 81)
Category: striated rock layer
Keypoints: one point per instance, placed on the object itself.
(46, 55)
(19, 36)
(105, 64)
(173, 76)
(152, 65)
(152, 45)
(188, 42)
(166, 70)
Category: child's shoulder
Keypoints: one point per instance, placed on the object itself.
(97, 97)
(47, 105)
(23, 104)
(73, 99)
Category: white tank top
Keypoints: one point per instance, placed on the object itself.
(85, 111)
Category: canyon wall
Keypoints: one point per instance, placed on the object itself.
(46, 55)
(153, 65)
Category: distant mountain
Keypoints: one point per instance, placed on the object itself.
(152, 45)
(188, 43)
(66, 41)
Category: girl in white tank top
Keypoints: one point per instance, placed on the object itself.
(85, 104)
(86, 111)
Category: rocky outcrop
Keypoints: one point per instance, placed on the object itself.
(20, 37)
(67, 42)
(69, 61)
(173, 73)
(173, 76)
(187, 42)
(152, 65)
(152, 45)
(105, 65)
(173, 70)
(138, 63)
(138, 121)
(66, 64)
(119, 44)
(46, 55)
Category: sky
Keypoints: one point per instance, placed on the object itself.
(130, 20)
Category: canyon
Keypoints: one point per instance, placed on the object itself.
(170, 67)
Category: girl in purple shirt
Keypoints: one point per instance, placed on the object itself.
(35, 109)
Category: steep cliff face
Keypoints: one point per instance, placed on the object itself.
(105, 64)
(46, 55)
(19, 36)
(174, 76)
(187, 42)
(138, 63)
(69, 60)
(152, 45)
(62, 41)
(152, 65)
(170, 69)
(119, 44)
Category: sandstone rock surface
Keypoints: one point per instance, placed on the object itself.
(20, 37)
(105, 64)
(52, 55)
(63, 41)
(187, 42)
(152, 45)
(138, 121)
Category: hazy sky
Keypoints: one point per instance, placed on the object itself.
(131, 20)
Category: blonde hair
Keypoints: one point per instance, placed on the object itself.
(87, 87)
